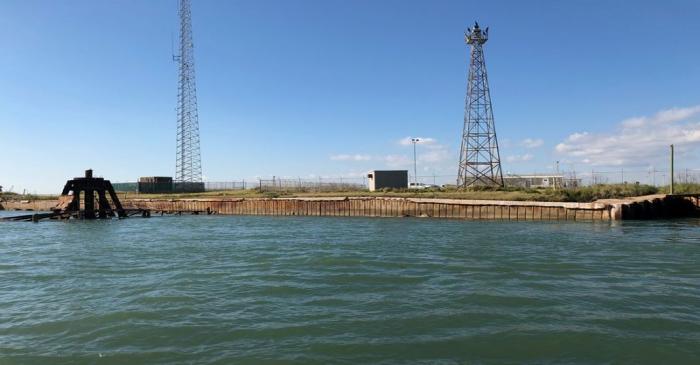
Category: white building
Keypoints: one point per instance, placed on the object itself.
(540, 181)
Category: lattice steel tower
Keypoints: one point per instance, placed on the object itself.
(479, 159)
(188, 164)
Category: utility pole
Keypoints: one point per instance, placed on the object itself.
(415, 168)
(671, 188)
(622, 175)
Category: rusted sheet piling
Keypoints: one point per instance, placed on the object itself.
(382, 207)
(648, 207)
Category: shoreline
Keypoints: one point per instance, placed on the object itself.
(659, 206)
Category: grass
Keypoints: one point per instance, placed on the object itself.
(582, 194)
(607, 191)
(15, 196)
(685, 188)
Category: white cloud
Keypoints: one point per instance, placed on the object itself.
(434, 155)
(636, 141)
(531, 143)
(349, 157)
(519, 158)
(675, 114)
(397, 160)
(430, 153)
(429, 150)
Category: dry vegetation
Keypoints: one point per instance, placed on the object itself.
(582, 194)
(16, 196)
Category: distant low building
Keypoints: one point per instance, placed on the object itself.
(540, 181)
(155, 184)
(394, 179)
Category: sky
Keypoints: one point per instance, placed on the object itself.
(334, 88)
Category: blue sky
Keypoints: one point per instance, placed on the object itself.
(331, 88)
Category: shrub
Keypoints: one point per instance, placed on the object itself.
(686, 188)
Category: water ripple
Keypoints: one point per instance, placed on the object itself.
(221, 290)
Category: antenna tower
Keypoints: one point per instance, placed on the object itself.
(188, 159)
(479, 159)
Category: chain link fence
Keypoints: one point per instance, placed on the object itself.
(324, 184)
(313, 185)
(572, 179)
(225, 185)
(565, 179)
(652, 177)
(178, 187)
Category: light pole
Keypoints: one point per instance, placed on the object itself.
(415, 168)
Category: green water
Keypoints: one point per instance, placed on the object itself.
(277, 290)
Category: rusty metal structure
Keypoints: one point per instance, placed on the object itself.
(479, 158)
(85, 197)
(91, 187)
(188, 160)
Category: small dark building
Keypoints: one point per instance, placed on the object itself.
(395, 179)
(155, 184)
(188, 187)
